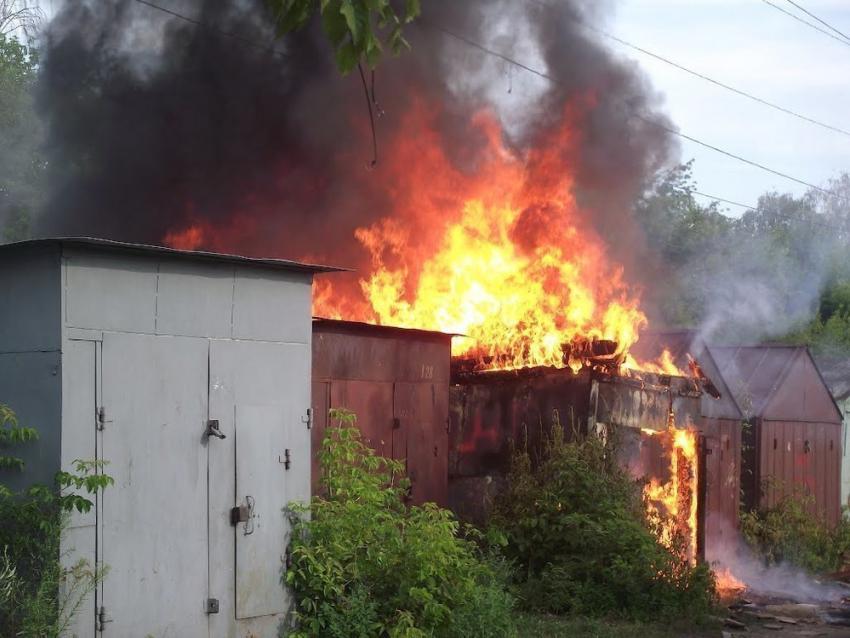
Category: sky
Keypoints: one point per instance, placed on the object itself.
(751, 46)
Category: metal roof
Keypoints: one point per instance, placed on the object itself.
(680, 344)
(362, 326)
(756, 373)
(107, 245)
(836, 373)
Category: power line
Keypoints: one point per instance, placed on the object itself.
(641, 117)
(713, 81)
(812, 15)
(807, 23)
(756, 210)
(251, 43)
(532, 70)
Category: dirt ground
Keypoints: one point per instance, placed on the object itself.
(786, 621)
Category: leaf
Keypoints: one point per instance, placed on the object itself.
(334, 24)
(346, 58)
(373, 54)
(348, 12)
(412, 11)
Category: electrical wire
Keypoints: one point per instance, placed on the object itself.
(812, 15)
(204, 25)
(715, 82)
(807, 23)
(543, 75)
(647, 120)
(755, 210)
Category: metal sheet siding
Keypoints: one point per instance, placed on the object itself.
(30, 300)
(796, 454)
(492, 414)
(155, 516)
(31, 384)
(193, 299)
(801, 395)
(79, 441)
(277, 377)
(397, 384)
(269, 306)
(110, 292)
(723, 483)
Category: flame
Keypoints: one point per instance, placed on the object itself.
(502, 254)
(190, 238)
(728, 585)
(672, 505)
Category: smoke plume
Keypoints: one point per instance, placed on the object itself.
(248, 144)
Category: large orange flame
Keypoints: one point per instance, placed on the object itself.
(503, 255)
(492, 244)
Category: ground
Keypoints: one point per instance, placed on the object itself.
(548, 627)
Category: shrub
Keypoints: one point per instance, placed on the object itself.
(39, 595)
(788, 532)
(364, 565)
(577, 527)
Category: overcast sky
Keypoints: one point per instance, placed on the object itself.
(751, 46)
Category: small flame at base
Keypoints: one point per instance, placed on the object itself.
(728, 585)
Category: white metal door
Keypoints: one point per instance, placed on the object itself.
(259, 393)
(80, 441)
(262, 456)
(155, 403)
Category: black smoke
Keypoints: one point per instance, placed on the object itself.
(155, 122)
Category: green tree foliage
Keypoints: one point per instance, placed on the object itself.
(356, 29)
(363, 563)
(41, 591)
(763, 276)
(577, 528)
(22, 165)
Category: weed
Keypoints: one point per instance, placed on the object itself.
(576, 526)
(40, 594)
(365, 565)
(788, 532)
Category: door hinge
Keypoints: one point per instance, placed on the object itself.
(211, 606)
(103, 618)
(101, 418)
(309, 419)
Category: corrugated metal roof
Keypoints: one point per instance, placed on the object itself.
(756, 373)
(362, 326)
(106, 245)
(680, 344)
(836, 373)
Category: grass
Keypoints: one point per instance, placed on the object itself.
(555, 627)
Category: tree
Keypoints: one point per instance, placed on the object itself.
(19, 18)
(354, 28)
(21, 163)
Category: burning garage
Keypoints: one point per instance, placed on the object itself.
(719, 424)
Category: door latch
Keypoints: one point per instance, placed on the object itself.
(103, 618)
(211, 606)
(212, 430)
(239, 514)
(309, 420)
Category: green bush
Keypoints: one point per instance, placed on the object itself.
(363, 564)
(788, 532)
(577, 528)
(40, 591)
